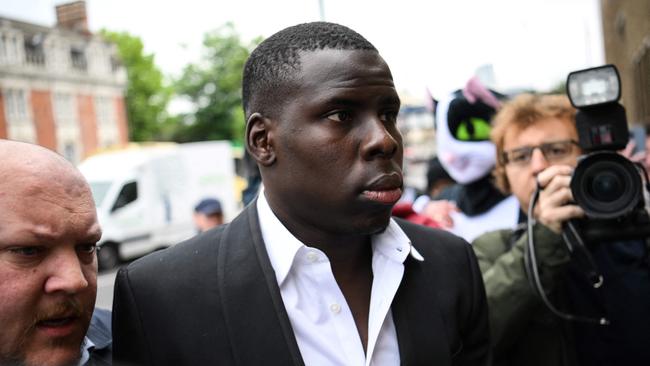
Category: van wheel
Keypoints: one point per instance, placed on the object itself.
(107, 257)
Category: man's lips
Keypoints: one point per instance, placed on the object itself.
(58, 326)
(385, 189)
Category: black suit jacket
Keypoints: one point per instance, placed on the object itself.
(214, 300)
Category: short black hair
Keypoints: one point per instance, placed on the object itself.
(272, 65)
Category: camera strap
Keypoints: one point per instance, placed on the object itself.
(532, 270)
(581, 254)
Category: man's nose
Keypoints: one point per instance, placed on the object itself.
(538, 161)
(65, 273)
(380, 140)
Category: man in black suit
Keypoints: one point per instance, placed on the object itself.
(314, 271)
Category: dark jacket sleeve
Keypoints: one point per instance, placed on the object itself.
(475, 329)
(129, 345)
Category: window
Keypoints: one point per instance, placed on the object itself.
(104, 111)
(34, 53)
(64, 109)
(128, 194)
(107, 131)
(78, 59)
(16, 105)
(3, 48)
(70, 152)
(116, 64)
(8, 48)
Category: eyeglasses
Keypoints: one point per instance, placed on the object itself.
(552, 151)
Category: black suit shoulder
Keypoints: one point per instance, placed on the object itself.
(194, 250)
(447, 281)
(168, 296)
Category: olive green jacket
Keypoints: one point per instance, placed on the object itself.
(523, 330)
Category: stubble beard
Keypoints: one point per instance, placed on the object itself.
(19, 355)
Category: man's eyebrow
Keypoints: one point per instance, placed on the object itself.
(93, 235)
(352, 102)
(392, 99)
(339, 101)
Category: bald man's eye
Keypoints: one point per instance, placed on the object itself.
(26, 255)
(86, 252)
(87, 248)
(27, 251)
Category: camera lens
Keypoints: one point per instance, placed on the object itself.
(606, 185)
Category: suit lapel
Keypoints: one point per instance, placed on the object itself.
(257, 322)
(421, 331)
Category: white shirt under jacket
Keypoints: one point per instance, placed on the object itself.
(320, 317)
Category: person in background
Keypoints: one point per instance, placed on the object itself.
(314, 271)
(437, 178)
(536, 143)
(474, 205)
(48, 263)
(208, 214)
(437, 181)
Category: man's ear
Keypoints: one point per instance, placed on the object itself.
(259, 139)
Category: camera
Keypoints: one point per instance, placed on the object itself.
(607, 186)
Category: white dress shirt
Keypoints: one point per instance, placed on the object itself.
(320, 317)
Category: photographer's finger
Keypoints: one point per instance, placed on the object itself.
(557, 198)
(554, 218)
(558, 182)
(567, 212)
(545, 176)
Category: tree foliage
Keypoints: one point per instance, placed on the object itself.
(147, 95)
(214, 86)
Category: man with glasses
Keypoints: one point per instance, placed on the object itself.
(535, 137)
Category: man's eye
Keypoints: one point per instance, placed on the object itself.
(558, 151)
(388, 117)
(27, 251)
(340, 116)
(87, 248)
(519, 156)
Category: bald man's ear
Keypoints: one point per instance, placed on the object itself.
(259, 139)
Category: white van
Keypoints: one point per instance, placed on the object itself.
(145, 194)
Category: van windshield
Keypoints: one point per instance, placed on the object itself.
(99, 190)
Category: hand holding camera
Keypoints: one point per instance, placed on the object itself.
(555, 199)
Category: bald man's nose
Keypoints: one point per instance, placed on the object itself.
(66, 274)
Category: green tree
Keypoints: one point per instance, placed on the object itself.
(214, 86)
(147, 95)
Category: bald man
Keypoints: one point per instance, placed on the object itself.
(48, 262)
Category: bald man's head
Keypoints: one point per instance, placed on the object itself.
(48, 264)
(35, 161)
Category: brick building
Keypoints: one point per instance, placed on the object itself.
(61, 87)
(626, 32)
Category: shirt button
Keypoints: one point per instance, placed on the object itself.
(312, 257)
(335, 308)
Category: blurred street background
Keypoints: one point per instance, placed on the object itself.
(134, 91)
